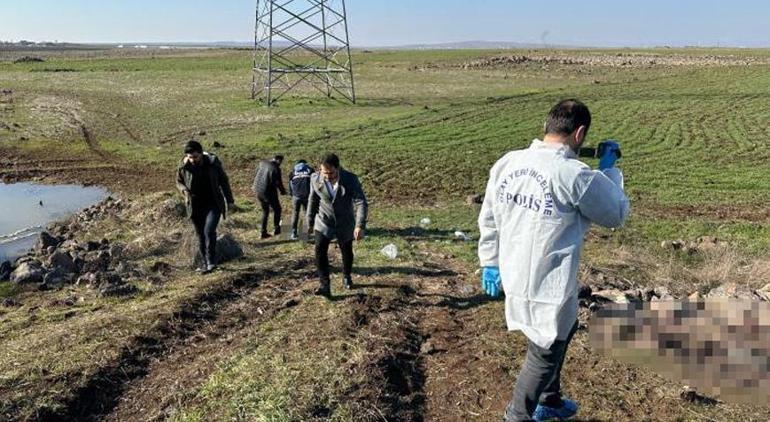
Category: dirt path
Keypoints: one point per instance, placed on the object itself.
(193, 328)
(426, 364)
(187, 361)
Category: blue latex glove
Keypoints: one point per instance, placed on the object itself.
(490, 281)
(609, 154)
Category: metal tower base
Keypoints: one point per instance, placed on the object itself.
(301, 43)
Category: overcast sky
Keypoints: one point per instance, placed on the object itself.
(399, 22)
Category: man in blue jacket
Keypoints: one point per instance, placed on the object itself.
(299, 189)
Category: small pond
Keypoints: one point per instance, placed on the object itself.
(26, 208)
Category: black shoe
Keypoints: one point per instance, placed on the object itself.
(347, 282)
(265, 235)
(277, 231)
(324, 291)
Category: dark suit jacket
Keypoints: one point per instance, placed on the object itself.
(339, 217)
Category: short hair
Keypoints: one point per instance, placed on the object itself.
(301, 162)
(192, 147)
(278, 157)
(566, 117)
(331, 160)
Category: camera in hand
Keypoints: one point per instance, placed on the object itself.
(589, 152)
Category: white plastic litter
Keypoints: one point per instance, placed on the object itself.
(425, 222)
(390, 251)
(462, 236)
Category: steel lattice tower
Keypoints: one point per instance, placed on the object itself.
(301, 42)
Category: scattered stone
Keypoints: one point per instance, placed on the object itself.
(56, 279)
(428, 348)
(612, 295)
(28, 273)
(474, 199)
(5, 271)
(10, 303)
(116, 252)
(695, 296)
(647, 294)
(673, 245)
(62, 262)
(120, 290)
(173, 208)
(23, 259)
(87, 279)
(708, 244)
(228, 248)
(109, 279)
(734, 290)
(689, 394)
(290, 303)
(95, 262)
(29, 59)
(160, 267)
(45, 240)
(764, 292)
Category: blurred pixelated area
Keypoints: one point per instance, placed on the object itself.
(719, 346)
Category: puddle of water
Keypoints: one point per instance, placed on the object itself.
(26, 208)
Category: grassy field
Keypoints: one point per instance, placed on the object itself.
(248, 343)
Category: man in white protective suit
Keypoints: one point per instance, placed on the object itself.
(539, 203)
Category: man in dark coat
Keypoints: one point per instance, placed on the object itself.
(206, 188)
(299, 189)
(267, 185)
(337, 209)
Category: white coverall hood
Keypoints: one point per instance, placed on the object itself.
(538, 206)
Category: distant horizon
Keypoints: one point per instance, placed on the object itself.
(450, 44)
(394, 23)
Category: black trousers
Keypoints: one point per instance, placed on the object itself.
(268, 202)
(539, 380)
(206, 221)
(298, 204)
(322, 257)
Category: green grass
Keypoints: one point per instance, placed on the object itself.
(422, 137)
(691, 136)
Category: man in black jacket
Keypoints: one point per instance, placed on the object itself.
(267, 184)
(337, 209)
(299, 189)
(206, 188)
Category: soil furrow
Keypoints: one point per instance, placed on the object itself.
(102, 393)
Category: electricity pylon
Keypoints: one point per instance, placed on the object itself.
(302, 42)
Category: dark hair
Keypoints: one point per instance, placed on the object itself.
(278, 158)
(301, 162)
(331, 160)
(566, 117)
(193, 147)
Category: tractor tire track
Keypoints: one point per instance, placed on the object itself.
(102, 394)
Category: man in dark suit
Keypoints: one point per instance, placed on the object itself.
(337, 209)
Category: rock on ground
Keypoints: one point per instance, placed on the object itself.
(28, 273)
